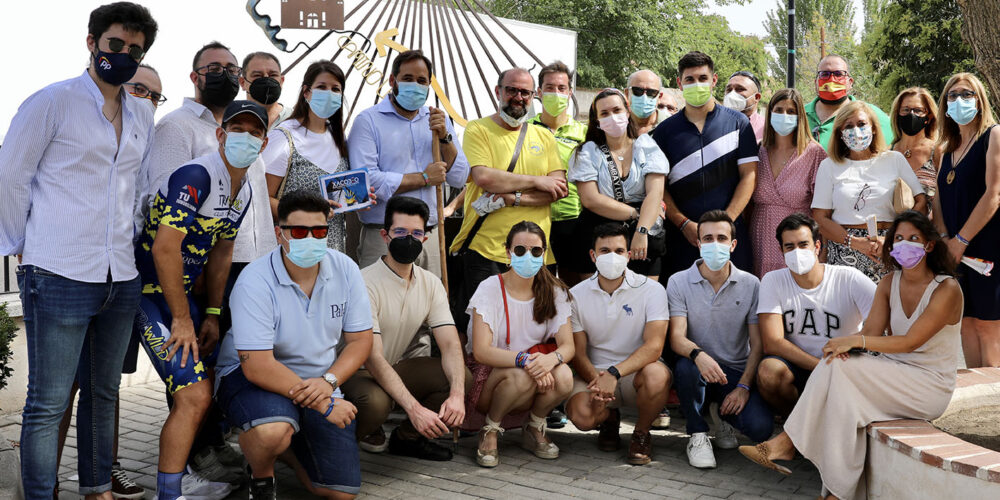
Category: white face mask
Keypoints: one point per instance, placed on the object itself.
(801, 260)
(611, 265)
(662, 114)
(735, 101)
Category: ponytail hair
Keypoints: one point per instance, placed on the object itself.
(545, 285)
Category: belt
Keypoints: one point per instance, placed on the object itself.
(880, 225)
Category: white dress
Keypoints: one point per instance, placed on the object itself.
(841, 398)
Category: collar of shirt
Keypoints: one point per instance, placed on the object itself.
(199, 110)
(630, 278)
(391, 273)
(572, 129)
(694, 274)
(278, 266)
(811, 110)
(386, 107)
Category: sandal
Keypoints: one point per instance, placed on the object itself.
(491, 458)
(541, 448)
(759, 453)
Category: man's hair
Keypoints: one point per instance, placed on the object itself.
(747, 74)
(795, 221)
(406, 205)
(515, 69)
(837, 56)
(252, 55)
(304, 200)
(717, 216)
(554, 67)
(694, 59)
(410, 55)
(150, 68)
(610, 230)
(132, 17)
(208, 46)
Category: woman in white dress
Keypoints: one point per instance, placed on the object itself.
(915, 364)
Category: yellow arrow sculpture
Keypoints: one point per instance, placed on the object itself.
(384, 41)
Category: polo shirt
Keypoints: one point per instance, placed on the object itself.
(757, 123)
(614, 322)
(399, 308)
(271, 312)
(717, 322)
(570, 135)
(822, 131)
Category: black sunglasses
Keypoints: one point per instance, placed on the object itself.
(638, 91)
(519, 251)
(299, 232)
(134, 51)
(141, 91)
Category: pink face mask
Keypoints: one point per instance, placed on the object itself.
(614, 125)
(908, 253)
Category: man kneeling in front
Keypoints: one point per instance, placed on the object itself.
(280, 364)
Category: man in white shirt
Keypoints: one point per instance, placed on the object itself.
(802, 307)
(619, 328)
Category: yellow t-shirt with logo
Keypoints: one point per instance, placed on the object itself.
(487, 144)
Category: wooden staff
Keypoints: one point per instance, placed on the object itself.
(442, 250)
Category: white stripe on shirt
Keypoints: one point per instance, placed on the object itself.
(706, 155)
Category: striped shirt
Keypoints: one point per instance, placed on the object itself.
(69, 185)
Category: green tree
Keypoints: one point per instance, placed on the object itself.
(835, 15)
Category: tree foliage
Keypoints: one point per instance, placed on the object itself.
(835, 15)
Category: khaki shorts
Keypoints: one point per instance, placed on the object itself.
(625, 394)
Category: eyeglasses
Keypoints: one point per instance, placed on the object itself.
(514, 91)
(859, 204)
(134, 51)
(638, 91)
(519, 251)
(141, 91)
(216, 68)
(672, 109)
(965, 94)
(828, 74)
(299, 232)
(402, 233)
(921, 112)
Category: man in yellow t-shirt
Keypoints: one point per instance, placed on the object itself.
(538, 179)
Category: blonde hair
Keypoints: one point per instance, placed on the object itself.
(949, 136)
(930, 130)
(837, 150)
(801, 138)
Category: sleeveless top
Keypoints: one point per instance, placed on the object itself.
(304, 174)
(959, 197)
(939, 354)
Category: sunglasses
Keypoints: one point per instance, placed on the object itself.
(141, 91)
(134, 51)
(638, 91)
(828, 74)
(520, 250)
(299, 232)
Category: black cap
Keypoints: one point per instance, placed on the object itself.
(240, 107)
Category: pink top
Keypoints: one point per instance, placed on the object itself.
(775, 199)
(757, 124)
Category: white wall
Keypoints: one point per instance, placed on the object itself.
(894, 476)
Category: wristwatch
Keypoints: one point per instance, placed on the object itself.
(445, 140)
(331, 379)
(517, 198)
(642, 230)
(614, 371)
(559, 357)
(694, 353)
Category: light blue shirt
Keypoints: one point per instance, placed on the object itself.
(591, 164)
(390, 146)
(69, 186)
(270, 312)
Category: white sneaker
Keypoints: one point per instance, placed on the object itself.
(195, 487)
(699, 451)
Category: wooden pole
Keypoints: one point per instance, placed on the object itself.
(443, 251)
(822, 42)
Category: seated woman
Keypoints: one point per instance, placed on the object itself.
(619, 175)
(510, 313)
(921, 308)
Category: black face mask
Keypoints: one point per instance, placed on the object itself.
(405, 250)
(265, 90)
(911, 124)
(220, 89)
(833, 101)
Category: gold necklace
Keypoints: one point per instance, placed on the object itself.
(954, 164)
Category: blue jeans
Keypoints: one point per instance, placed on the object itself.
(755, 421)
(75, 331)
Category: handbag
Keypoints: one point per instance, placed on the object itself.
(544, 347)
(902, 197)
(618, 190)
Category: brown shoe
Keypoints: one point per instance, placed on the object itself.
(374, 442)
(640, 451)
(607, 439)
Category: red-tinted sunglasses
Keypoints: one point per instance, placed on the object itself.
(299, 232)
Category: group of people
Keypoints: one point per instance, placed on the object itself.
(659, 245)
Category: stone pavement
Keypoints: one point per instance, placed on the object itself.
(582, 471)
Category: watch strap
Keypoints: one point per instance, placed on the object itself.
(694, 353)
(614, 371)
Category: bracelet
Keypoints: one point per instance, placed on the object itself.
(427, 180)
(943, 235)
(521, 360)
(864, 343)
(686, 221)
(330, 408)
(961, 239)
(847, 240)
(213, 310)
(613, 370)
(744, 386)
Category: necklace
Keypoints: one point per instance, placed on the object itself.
(954, 164)
(907, 153)
(112, 119)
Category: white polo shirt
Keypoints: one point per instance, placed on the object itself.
(614, 322)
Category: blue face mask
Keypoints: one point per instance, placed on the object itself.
(411, 95)
(114, 68)
(962, 110)
(306, 252)
(526, 266)
(242, 149)
(643, 106)
(784, 124)
(715, 255)
(325, 102)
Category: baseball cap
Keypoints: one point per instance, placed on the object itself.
(239, 107)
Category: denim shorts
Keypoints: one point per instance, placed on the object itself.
(328, 453)
(801, 375)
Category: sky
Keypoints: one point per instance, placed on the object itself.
(749, 19)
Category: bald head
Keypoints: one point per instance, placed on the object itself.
(644, 78)
(513, 74)
(833, 62)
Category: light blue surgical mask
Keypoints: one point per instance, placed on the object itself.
(325, 102)
(526, 265)
(784, 124)
(715, 255)
(411, 95)
(962, 110)
(242, 149)
(643, 106)
(306, 252)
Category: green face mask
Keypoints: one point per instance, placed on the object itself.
(698, 94)
(555, 103)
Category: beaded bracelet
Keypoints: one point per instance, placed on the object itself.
(744, 386)
(521, 360)
(847, 240)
